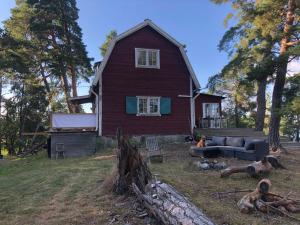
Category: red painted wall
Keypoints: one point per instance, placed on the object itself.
(121, 78)
(203, 98)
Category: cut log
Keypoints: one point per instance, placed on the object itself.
(264, 201)
(169, 206)
(257, 168)
(249, 201)
(131, 167)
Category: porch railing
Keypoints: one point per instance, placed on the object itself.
(213, 123)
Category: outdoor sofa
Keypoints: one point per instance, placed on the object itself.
(245, 148)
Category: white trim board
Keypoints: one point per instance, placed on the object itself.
(147, 22)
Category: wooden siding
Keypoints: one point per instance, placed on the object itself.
(121, 78)
(203, 98)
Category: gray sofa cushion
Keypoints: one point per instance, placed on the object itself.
(210, 143)
(220, 141)
(249, 143)
(235, 141)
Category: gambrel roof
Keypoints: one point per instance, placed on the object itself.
(147, 22)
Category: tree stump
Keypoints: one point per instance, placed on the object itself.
(131, 167)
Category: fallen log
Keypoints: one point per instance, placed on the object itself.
(257, 168)
(169, 206)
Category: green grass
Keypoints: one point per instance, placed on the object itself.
(201, 188)
(36, 190)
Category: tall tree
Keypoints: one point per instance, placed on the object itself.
(286, 42)
(56, 22)
(291, 108)
(251, 54)
(279, 21)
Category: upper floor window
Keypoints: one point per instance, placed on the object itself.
(147, 58)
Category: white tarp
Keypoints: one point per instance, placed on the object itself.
(61, 120)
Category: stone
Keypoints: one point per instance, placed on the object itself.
(204, 166)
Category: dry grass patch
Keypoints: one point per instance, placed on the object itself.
(201, 186)
(37, 190)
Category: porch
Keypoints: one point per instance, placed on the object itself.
(215, 122)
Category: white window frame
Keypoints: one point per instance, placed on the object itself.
(204, 109)
(157, 66)
(148, 113)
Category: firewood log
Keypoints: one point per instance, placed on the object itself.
(256, 168)
(265, 201)
(249, 201)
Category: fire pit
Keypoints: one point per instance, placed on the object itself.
(206, 164)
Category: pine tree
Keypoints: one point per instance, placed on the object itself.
(277, 22)
(112, 34)
(56, 22)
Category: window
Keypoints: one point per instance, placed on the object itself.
(148, 106)
(211, 110)
(147, 58)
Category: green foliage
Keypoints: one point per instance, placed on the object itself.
(112, 34)
(253, 45)
(291, 108)
(41, 53)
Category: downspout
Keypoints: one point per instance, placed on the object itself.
(192, 103)
(99, 104)
(194, 98)
(97, 108)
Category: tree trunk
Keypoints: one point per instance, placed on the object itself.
(131, 167)
(274, 138)
(64, 78)
(71, 66)
(256, 168)
(298, 129)
(1, 82)
(169, 206)
(261, 104)
(236, 116)
(66, 88)
(74, 87)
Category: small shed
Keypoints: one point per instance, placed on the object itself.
(72, 135)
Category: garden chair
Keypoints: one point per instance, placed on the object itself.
(60, 150)
(153, 149)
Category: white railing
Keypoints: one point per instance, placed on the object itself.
(73, 121)
(213, 123)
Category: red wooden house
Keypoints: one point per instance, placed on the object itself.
(146, 85)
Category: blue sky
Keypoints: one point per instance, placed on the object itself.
(198, 24)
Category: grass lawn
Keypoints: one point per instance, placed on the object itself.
(37, 190)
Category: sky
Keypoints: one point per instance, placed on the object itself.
(197, 24)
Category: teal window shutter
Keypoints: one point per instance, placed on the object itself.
(131, 105)
(165, 106)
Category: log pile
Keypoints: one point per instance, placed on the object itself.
(262, 200)
(169, 206)
(263, 166)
